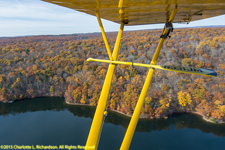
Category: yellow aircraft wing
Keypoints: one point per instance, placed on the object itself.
(138, 12)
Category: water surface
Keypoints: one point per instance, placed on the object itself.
(50, 121)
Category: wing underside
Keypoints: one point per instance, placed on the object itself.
(138, 12)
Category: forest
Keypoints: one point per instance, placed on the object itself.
(39, 66)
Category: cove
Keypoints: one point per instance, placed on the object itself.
(50, 121)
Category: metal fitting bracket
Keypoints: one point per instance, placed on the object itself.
(168, 26)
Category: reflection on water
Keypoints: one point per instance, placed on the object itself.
(47, 112)
(144, 125)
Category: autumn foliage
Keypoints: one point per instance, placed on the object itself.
(37, 66)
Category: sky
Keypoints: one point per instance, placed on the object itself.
(35, 17)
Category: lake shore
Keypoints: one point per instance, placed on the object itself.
(78, 104)
(207, 119)
(145, 116)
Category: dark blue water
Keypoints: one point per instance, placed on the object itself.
(49, 121)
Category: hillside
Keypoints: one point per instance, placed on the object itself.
(38, 66)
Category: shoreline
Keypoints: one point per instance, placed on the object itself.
(206, 119)
(142, 117)
(78, 104)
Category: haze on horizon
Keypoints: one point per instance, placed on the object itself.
(25, 17)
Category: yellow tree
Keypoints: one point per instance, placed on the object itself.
(217, 113)
(184, 98)
(165, 102)
(51, 89)
(82, 101)
(147, 107)
(222, 108)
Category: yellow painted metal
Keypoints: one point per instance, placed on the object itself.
(138, 12)
(156, 55)
(149, 66)
(105, 113)
(94, 134)
(134, 120)
(103, 35)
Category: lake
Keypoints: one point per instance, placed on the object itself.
(50, 121)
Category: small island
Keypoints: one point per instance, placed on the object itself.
(39, 66)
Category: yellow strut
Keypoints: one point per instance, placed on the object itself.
(197, 71)
(133, 123)
(103, 32)
(95, 130)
